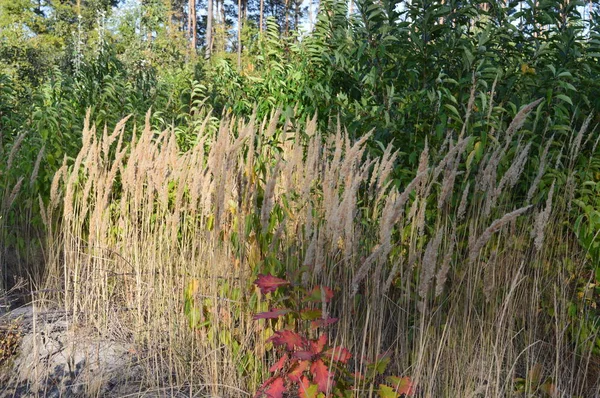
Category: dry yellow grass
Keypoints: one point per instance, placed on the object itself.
(452, 288)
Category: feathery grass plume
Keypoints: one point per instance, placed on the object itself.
(420, 217)
(595, 146)
(348, 210)
(442, 274)
(478, 244)
(270, 131)
(423, 166)
(10, 199)
(13, 151)
(519, 119)
(429, 263)
(447, 185)
(508, 180)
(491, 102)
(383, 169)
(541, 220)
(485, 181)
(576, 146)
(43, 215)
(392, 275)
(469, 107)
(389, 216)
(541, 170)
(88, 143)
(364, 269)
(462, 206)
(489, 276)
(58, 176)
(36, 167)
(320, 253)
(451, 158)
(267, 205)
(118, 131)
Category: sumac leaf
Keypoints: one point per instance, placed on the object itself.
(338, 354)
(287, 338)
(303, 355)
(276, 388)
(280, 364)
(317, 346)
(269, 283)
(273, 314)
(321, 375)
(320, 323)
(297, 371)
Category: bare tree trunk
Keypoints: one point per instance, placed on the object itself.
(262, 7)
(223, 29)
(209, 21)
(239, 34)
(193, 30)
(287, 18)
(297, 16)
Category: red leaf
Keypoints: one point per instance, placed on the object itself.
(321, 375)
(323, 322)
(276, 388)
(279, 365)
(318, 294)
(303, 355)
(269, 283)
(276, 313)
(316, 346)
(338, 354)
(298, 370)
(288, 338)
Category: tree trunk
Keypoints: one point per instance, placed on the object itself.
(287, 18)
(262, 7)
(239, 34)
(223, 29)
(297, 16)
(193, 30)
(209, 20)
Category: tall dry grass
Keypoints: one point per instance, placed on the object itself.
(462, 282)
(20, 258)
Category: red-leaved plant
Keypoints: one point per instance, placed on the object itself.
(310, 367)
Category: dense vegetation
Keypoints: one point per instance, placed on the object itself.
(425, 172)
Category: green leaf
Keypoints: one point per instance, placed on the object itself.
(564, 98)
(310, 314)
(387, 392)
(454, 111)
